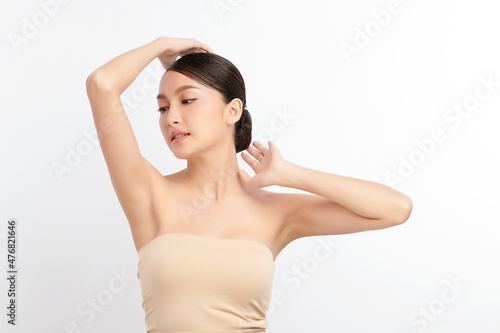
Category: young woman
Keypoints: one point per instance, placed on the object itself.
(207, 236)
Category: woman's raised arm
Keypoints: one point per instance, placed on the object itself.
(131, 174)
(121, 71)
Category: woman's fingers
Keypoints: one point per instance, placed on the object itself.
(200, 48)
(196, 45)
(207, 48)
(179, 47)
(254, 152)
(262, 149)
(191, 50)
(201, 45)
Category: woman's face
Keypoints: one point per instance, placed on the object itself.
(189, 106)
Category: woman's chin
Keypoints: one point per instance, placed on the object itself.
(180, 154)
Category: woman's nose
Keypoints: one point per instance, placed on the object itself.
(172, 121)
(172, 117)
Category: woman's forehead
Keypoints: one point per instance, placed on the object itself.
(172, 82)
(172, 79)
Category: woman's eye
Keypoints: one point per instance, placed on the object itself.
(185, 101)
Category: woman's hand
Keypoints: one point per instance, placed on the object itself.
(178, 47)
(269, 165)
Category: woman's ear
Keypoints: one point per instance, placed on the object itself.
(235, 109)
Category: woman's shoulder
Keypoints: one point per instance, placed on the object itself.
(173, 177)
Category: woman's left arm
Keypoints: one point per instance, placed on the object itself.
(365, 198)
(340, 205)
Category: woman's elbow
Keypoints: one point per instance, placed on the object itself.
(404, 211)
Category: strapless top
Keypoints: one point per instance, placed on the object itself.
(193, 283)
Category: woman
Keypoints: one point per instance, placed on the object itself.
(207, 236)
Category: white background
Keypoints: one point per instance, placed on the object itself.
(360, 116)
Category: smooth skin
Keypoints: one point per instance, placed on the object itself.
(212, 196)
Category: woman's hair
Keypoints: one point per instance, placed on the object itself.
(218, 73)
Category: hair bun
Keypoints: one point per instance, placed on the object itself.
(243, 131)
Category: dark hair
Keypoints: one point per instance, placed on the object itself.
(217, 72)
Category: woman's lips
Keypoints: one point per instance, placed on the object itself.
(182, 138)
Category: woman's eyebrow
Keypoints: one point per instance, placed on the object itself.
(187, 86)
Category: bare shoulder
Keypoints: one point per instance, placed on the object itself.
(174, 177)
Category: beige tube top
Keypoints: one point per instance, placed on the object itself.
(193, 284)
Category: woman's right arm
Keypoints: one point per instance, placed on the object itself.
(131, 174)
